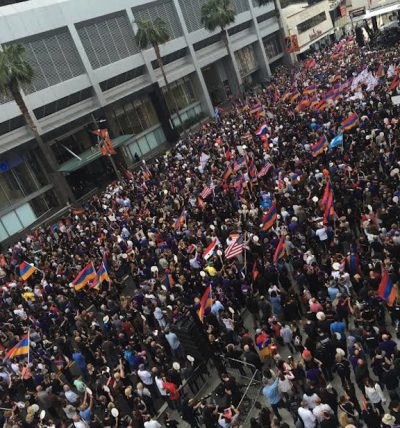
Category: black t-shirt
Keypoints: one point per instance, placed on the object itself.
(171, 423)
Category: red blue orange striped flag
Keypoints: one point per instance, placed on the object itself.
(350, 122)
(280, 250)
(319, 146)
(269, 218)
(26, 270)
(205, 303)
(20, 350)
(387, 290)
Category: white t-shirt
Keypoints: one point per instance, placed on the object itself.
(152, 424)
(321, 233)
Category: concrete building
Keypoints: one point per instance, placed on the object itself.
(310, 22)
(89, 69)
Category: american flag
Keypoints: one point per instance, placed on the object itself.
(264, 170)
(206, 192)
(235, 248)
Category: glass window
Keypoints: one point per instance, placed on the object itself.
(159, 133)
(4, 202)
(272, 46)
(10, 186)
(11, 223)
(152, 140)
(141, 114)
(25, 178)
(26, 215)
(311, 22)
(122, 120)
(150, 112)
(3, 233)
(246, 60)
(36, 168)
(144, 147)
(134, 148)
(181, 94)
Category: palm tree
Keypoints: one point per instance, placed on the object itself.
(14, 72)
(155, 33)
(219, 14)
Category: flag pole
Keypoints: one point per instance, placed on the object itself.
(29, 345)
(245, 256)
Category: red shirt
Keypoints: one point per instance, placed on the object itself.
(172, 389)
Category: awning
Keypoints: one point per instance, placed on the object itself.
(90, 155)
(377, 12)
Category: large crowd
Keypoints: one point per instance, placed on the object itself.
(311, 317)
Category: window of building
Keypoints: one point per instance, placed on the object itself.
(181, 53)
(272, 45)
(180, 95)
(134, 117)
(246, 60)
(122, 78)
(19, 177)
(312, 22)
(63, 103)
(107, 39)
(78, 142)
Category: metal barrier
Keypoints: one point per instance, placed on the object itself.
(241, 370)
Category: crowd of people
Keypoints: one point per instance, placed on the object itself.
(107, 355)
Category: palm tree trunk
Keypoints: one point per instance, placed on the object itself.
(224, 37)
(63, 190)
(161, 65)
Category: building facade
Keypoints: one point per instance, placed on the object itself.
(89, 73)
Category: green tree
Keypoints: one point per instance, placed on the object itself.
(219, 14)
(155, 33)
(14, 72)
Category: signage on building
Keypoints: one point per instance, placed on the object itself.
(343, 10)
(358, 12)
(314, 34)
(292, 44)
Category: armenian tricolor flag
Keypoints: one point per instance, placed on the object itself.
(256, 108)
(353, 264)
(60, 363)
(84, 276)
(326, 192)
(146, 174)
(294, 97)
(101, 276)
(280, 250)
(350, 122)
(26, 270)
(319, 146)
(387, 290)
(205, 303)
(169, 280)
(328, 207)
(269, 218)
(313, 102)
(240, 185)
(310, 89)
(180, 220)
(20, 350)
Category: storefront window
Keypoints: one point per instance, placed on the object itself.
(311, 22)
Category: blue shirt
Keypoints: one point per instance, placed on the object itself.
(86, 414)
(271, 393)
(79, 359)
(338, 327)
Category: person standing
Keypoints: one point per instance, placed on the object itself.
(271, 393)
(306, 415)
